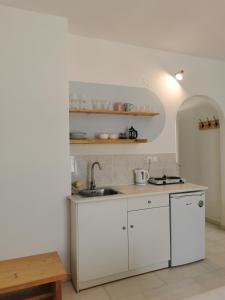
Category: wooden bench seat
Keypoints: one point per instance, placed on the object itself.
(36, 277)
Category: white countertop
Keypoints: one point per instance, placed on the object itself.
(134, 191)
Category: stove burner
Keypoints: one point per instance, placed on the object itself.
(166, 180)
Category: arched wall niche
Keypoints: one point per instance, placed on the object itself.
(200, 153)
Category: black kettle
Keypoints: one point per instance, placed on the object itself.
(133, 134)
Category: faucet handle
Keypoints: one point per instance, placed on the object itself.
(92, 185)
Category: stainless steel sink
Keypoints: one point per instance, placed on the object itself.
(86, 193)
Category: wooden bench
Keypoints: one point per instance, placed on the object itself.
(36, 277)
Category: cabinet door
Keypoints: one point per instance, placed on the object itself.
(149, 237)
(103, 242)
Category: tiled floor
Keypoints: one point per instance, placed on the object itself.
(198, 281)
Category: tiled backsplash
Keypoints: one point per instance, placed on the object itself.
(118, 169)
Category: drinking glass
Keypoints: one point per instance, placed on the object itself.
(102, 104)
(95, 104)
(109, 105)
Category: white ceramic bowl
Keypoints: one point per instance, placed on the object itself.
(103, 136)
(113, 136)
(78, 135)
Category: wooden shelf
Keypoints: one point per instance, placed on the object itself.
(112, 112)
(42, 292)
(108, 141)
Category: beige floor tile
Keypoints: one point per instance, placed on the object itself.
(213, 233)
(217, 259)
(215, 247)
(216, 294)
(175, 291)
(212, 295)
(148, 281)
(203, 280)
(211, 280)
(133, 297)
(209, 265)
(221, 292)
(173, 275)
(133, 286)
(96, 293)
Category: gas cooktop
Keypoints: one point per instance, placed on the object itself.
(166, 180)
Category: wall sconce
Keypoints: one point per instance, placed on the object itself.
(179, 75)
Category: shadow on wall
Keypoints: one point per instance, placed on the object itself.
(199, 151)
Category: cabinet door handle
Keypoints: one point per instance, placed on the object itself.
(124, 228)
(131, 226)
(149, 201)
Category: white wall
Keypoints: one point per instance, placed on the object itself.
(100, 61)
(34, 152)
(199, 151)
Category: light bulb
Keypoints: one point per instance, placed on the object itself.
(179, 75)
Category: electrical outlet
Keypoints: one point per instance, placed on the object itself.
(155, 159)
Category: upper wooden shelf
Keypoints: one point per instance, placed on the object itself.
(112, 112)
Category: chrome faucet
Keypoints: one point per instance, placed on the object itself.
(92, 184)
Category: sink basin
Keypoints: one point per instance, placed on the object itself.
(98, 192)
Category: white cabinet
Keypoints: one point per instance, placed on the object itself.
(149, 237)
(102, 239)
(113, 239)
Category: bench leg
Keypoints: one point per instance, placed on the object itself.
(57, 290)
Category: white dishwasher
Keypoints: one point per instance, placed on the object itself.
(187, 221)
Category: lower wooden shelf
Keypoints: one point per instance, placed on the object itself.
(44, 292)
(108, 141)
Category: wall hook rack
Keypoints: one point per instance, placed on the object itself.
(209, 124)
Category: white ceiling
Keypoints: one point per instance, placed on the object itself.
(187, 26)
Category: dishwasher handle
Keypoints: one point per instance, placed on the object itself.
(186, 195)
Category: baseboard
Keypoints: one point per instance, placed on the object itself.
(217, 223)
(214, 222)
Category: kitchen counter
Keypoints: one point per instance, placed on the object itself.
(134, 190)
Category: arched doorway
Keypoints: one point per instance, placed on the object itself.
(199, 151)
